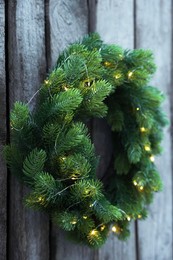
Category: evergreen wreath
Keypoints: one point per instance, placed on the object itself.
(52, 152)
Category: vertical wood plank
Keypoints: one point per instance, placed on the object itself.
(154, 31)
(28, 230)
(68, 21)
(3, 172)
(115, 24)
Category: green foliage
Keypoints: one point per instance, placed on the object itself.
(52, 152)
(34, 163)
(19, 116)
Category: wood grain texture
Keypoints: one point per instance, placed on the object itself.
(3, 171)
(68, 21)
(28, 230)
(115, 24)
(154, 31)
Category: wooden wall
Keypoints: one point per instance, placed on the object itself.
(32, 34)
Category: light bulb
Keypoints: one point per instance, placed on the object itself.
(128, 218)
(107, 63)
(93, 232)
(139, 216)
(117, 76)
(85, 217)
(114, 228)
(102, 227)
(73, 222)
(152, 159)
(46, 81)
(143, 129)
(135, 183)
(141, 188)
(137, 108)
(130, 74)
(40, 199)
(147, 148)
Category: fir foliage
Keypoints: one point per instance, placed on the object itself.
(52, 152)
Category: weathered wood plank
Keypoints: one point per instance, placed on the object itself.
(115, 23)
(68, 21)
(3, 171)
(154, 31)
(29, 231)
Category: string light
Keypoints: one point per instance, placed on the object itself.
(85, 217)
(46, 82)
(94, 232)
(147, 148)
(141, 188)
(130, 74)
(107, 63)
(114, 229)
(102, 227)
(128, 218)
(135, 183)
(73, 222)
(86, 191)
(41, 200)
(143, 129)
(65, 88)
(137, 108)
(152, 159)
(139, 216)
(91, 205)
(117, 75)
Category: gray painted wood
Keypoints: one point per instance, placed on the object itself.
(3, 171)
(68, 22)
(154, 31)
(112, 18)
(115, 22)
(28, 230)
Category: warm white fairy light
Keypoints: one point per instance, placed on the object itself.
(102, 227)
(117, 75)
(93, 232)
(130, 74)
(114, 229)
(152, 159)
(46, 81)
(143, 129)
(107, 63)
(135, 183)
(73, 222)
(147, 148)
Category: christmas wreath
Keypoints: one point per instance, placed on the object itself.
(52, 152)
